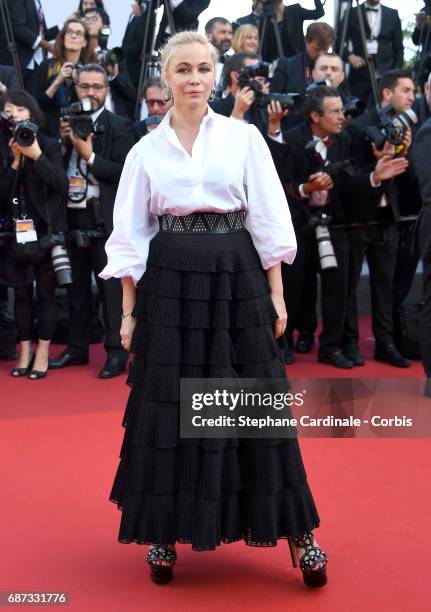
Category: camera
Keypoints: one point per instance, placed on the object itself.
(78, 116)
(320, 220)
(59, 257)
(246, 78)
(313, 149)
(390, 128)
(108, 57)
(318, 83)
(24, 132)
(95, 229)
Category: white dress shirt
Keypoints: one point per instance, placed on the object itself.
(374, 18)
(230, 169)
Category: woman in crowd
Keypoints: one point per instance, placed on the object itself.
(246, 38)
(84, 5)
(200, 215)
(54, 80)
(35, 179)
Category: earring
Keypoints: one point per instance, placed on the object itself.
(168, 95)
(212, 96)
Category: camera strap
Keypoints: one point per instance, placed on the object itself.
(25, 230)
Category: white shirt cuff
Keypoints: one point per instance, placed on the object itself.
(37, 41)
(373, 182)
(91, 160)
(301, 191)
(278, 138)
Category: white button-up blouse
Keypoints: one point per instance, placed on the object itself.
(230, 169)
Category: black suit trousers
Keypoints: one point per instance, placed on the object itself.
(425, 337)
(334, 285)
(84, 261)
(379, 244)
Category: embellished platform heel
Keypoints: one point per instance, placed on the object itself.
(312, 556)
(161, 574)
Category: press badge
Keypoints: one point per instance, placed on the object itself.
(372, 46)
(77, 190)
(24, 231)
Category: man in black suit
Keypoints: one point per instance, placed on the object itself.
(31, 37)
(420, 156)
(295, 73)
(378, 241)
(94, 167)
(8, 79)
(121, 96)
(311, 191)
(290, 21)
(384, 44)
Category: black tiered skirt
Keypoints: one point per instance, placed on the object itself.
(204, 309)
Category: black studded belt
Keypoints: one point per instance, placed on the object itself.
(203, 223)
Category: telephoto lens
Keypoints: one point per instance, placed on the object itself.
(327, 256)
(61, 265)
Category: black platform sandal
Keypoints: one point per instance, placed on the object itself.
(161, 573)
(311, 557)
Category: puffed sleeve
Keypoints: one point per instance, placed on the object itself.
(134, 224)
(268, 215)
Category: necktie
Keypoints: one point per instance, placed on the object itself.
(327, 142)
(374, 10)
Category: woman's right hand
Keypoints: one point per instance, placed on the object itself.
(15, 152)
(128, 325)
(65, 72)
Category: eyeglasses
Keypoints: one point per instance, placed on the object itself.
(154, 102)
(77, 33)
(87, 86)
(94, 19)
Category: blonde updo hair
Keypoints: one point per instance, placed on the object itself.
(241, 34)
(183, 38)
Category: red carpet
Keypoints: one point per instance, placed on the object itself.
(60, 442)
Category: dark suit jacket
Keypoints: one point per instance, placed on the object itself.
(421, 152)
(390, 51)
(185, 18)
(111, 147)
(292, 74)
(123, 93)
(402, 191)
(25, 26)
(45, 184)
(9, 77)
(294, 167)
(422, 110)
(292, 31)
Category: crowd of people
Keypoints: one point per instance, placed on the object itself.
(78, 107)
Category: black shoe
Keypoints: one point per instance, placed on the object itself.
(18, 372)
(113, 367)
(68, 357)
(390, 354)
(37, 374)
(336, 358)
(352, 353)
(288, 356)
(304, 344)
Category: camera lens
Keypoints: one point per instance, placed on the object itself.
(61, 265)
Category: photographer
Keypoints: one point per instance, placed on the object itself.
(295, 73)
(34, 177)
(290, 20)
(121, 95)
(54, 87)
(379, 240)
(238, 102)
(185, 14)
(94, 167)
(384, 42)
(157, 106)
(218, 30)
(314, 188)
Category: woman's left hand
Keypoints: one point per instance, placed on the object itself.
(280, 306)
(33, 152)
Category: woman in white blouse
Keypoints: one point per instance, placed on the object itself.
(201, 226)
